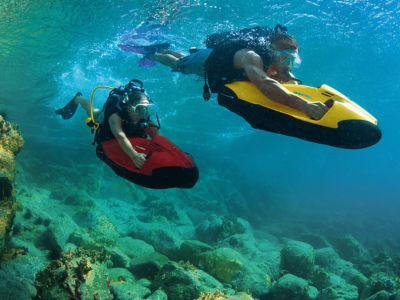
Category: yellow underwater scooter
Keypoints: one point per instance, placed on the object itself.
(345, 125)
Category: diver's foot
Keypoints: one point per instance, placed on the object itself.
(69, 110)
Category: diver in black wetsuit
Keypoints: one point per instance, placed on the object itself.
(125, 115)
(261, 55)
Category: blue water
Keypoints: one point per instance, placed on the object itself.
(49, 50)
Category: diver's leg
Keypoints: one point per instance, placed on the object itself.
(166, 59)
(69, 110)
(85, 103)
(173, 52)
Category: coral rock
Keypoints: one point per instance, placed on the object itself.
(10, 143)
(290, 287)
(184, 281)
(298, 258)
(222, 263)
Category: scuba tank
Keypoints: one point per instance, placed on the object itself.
(216, 39)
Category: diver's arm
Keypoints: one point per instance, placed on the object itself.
(152, 130)
(292, 81)
(115, 122)
(252, 65)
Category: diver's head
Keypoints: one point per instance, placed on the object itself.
(139, 105)
(285, 52)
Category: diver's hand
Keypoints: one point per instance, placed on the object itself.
(139, 159)
(315, 110)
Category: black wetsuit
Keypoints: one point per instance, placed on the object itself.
(219, 65)
(114, 104)
(131, 128)
(220, 70)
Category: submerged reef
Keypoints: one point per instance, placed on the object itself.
(77, 274)
(11, 143)
(218, 295)
(113, 240)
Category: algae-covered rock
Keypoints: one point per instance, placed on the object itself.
(326, 257)
(396, 296)
(7, 210)
(165, 238)
(218, 295)
(184, 281)
(222, 263)
(239, 296)
(382, 262)
(291, 287)
(57, 234)
(248, 245)
(134, 247)
(252, 278)
(333, 287)
(10, 144)
(382, 295)
(158, 295)
(323, 279)
(80, 237)
(81, 274)
(356, 278)
(128, 290)
(330, 260)
(381, 281)
(118, 258)
(316, 240)
(23, 270)
(16, 280)
(103, 230)
(120, 274)
(298, 258)
(352, 250)
(156, 207)
(190, 250)
(346, 292)
(12, 287)
(144, 282)
(148, 265)
(216, 229)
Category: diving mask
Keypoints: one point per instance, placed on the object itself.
(288, 58)
(144, 110)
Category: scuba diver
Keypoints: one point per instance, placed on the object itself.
(125, 114)
(261, 55)
(123, 128)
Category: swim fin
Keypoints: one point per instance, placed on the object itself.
(146, 62)
(68, 110)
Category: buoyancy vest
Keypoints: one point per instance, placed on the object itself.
(114, 104)
(219, 65)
